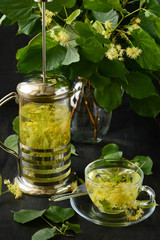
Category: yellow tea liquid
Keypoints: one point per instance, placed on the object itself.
(113, 188)
(44, 126)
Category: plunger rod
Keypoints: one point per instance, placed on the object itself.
(44, 41)
(43, 37)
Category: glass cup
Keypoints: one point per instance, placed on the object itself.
(114, 185)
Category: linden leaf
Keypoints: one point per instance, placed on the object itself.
(58, 214)
(145, 163)
(73, 227)
(16, 125)
(44, 234)
(24, 216)
(73, 150)
(12, 142)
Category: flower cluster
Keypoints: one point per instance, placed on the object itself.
(13, 188)
(115, 52)
(133, 52)
(60, 36)
(134, 215)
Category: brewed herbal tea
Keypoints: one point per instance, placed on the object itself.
(44, 126)
(113, 188)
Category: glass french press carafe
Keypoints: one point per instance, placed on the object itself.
(44, 137)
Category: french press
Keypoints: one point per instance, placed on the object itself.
(44, 165)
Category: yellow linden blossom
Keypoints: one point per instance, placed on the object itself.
(73, 185)
(13, 188)
(138, 20)
(133, 52)
(135, 26)
(48, 17)
(108, 24)
(136, 215)
(63, 36)
(115, 52)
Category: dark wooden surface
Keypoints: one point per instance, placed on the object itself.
(134, 134)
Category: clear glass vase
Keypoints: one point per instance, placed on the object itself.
(89, 122)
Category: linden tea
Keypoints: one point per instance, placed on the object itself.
(113, 188)
(44, 126)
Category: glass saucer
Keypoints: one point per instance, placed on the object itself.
(86, 209)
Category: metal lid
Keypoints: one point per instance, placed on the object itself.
(56, 86)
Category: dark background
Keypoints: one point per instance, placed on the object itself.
(134, 134)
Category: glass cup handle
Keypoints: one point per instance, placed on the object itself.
(151, 196)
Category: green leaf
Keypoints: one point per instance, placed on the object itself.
(58, 214)
(148, 107)
(111, 151)
(30, 25)
(92, 50)
(30, 58)
(98, 81)
(154, 7)
(44, 234)
(83, 29)
(149, 205)
(73, 16)
(83, 68)
(110, 148)
(142, 2)
(73, 227)
(0, 184)
(111, 16)
(17, 9)
(24, 216)
(102, 5)
(145, 163)
(16, 125)
(57, 5)
(157, 27)
(73, 150)
(71, 56)
(139, 85)
(148, 25)
(111, 96)
(113, 69)
(150, 56)
(117, 155)
(12, 142)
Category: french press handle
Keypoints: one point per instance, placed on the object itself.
(7, 98)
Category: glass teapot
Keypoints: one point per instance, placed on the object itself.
(44, 165)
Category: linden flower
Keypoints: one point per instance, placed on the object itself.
(135, 26)
(63, 36)
(73, 185)
(48, 17)
(138, 20)
(133, 52)
(138, 213)
(115, 52)
(108, 24)
(13, 188)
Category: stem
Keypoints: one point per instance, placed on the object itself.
(52, 225)
(4, 192)
(123, 17)
(65, 11)
(75, 106)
